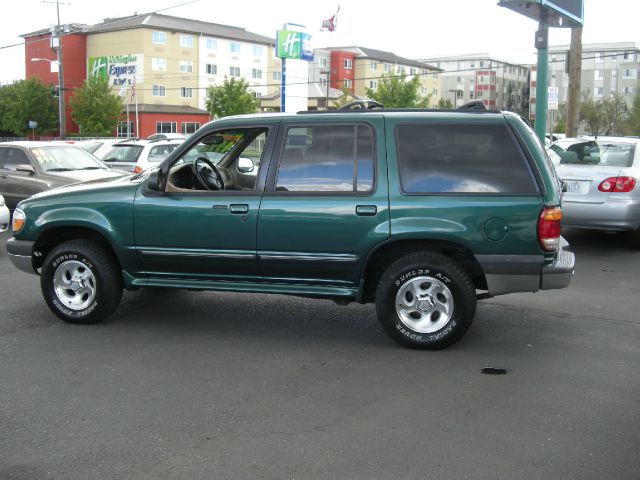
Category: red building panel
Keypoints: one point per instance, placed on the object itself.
(339, 70)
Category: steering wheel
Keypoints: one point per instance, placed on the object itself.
(208, 175)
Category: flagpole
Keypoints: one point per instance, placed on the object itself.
(128, 129)
(135, 94)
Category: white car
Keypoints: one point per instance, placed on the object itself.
(99, 146)
(136, 156)
(4, 215)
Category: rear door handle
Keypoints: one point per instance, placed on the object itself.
(366, 210)
(239, 208)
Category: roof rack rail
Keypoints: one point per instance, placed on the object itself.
(361, 105)
(473, 105)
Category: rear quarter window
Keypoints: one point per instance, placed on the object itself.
(471, 159)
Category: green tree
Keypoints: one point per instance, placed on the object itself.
(445, 103)
(95, 108)
(27, 100)
(633, 121)
(592, 114)
(231, 98)
(615, 114)
(396, 92)
(560, 125)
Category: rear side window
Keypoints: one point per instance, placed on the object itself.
(327, 158)
(477, 159)
(14, 157)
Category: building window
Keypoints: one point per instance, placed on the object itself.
(373, 84)
(458, 79)
(186, 92)
(256, 73)
(597, 92)
(348, 83)
(166, 127)
(257, 50)
(158, 91)
(401, 70)
(211, 69)
(412, 71)
(186, 66)
(186, 41)
(598, 56)
(234, 71)
(348, 63)
(126, 129)
(234, 47)
(598, 74)
(276, 76)
(190, 127)
(159, 38)
(628, 90)
(323, 62)
(158, 64)
(373, 65)
(211, 43)
(630, 73)
(434, 92)
(434, 75)
(387, 67)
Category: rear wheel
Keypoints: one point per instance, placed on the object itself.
(81, 282)
(425, 300)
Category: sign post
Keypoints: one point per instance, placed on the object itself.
(33, 125)
(548, 13)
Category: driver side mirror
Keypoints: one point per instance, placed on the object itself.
(156, 180)
(245, 165)
(25, 168)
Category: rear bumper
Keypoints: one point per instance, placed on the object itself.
(527, 273)
(614, 214)
(20, 253)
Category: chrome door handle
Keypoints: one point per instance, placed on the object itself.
(239, 208)
(366, 210)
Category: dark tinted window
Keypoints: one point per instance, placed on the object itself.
(14, 157)
(461, 159)
(327, 159)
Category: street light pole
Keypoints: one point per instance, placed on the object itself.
(61, 104)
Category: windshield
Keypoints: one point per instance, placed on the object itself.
(64, 158)
(591, 152)
(123, 153)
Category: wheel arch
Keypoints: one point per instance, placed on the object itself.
(385, 254)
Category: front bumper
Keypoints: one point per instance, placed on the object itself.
(20, 253)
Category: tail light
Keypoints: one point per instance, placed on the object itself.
(137, 169)
(617, 184)
(549, 228)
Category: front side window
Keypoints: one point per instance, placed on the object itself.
(225, 160)
(186, 41)
(159, 38)
(327, 158)
(13, 158)
(476, 159)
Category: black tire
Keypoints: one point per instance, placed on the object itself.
(439, 318)
(81, 282)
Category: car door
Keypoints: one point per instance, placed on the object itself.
(326, 204)
(189, 233)
(15, 184)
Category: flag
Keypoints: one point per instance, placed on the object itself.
(331, 23)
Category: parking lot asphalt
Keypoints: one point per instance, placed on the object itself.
(191, 385)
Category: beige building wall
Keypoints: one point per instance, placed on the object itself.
(163, 71)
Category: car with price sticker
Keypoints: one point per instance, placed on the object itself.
(600, 178)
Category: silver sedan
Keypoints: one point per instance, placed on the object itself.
(601, 180)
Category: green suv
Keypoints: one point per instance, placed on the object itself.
(422, 212)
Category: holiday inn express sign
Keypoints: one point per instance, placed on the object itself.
(118, 70)
(294, 45)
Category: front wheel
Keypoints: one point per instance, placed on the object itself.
(425, 300)
(81, 282)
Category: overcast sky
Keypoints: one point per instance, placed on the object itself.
(409, 28)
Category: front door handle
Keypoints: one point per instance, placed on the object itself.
(366, 210)
(239, 208)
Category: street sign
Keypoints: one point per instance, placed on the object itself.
(556, 13)
(553, 98)
(33, 124)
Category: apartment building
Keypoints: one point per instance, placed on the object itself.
(358, 68)
(501, 85)
(160, 65)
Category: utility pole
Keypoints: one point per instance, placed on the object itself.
(62, 115)
(575, 71)
(542, 44)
